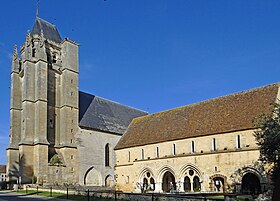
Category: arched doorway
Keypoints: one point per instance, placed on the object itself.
(219, 184)
(250, 184)
(92, 177)
(109, 181)
(168, 182)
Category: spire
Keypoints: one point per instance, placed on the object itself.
(37, 8)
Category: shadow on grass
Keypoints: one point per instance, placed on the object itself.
(62, 195)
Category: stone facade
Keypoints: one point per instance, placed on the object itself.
(203, 162)
(44, 91)
(57, 133)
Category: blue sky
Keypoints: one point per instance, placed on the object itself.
(153, 54)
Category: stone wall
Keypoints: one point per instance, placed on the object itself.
(231, 155)
(91, 151)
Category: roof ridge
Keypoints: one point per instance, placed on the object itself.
(46, 21)
(115, 102)
(233, 112)
(210, 100)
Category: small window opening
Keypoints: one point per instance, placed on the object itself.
(128, 156)
(33, 52)
(174, 149)
(20, 66)
(51, 123)
(107, 155)
(142, 154)
(214, 144)
(192, 147)
(157, 152)
(54, 59)
(238, 144)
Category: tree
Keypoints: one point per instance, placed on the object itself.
(268, 140)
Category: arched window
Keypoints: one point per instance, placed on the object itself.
(187, 184)
(148, 182)
(107, 155)
(152, 182)
(196, 184)
(145, 183)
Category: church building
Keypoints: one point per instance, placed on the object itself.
(59, 134)
(203, 147)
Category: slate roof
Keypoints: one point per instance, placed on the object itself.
(49, 30)
(2, 168)
(219, 115)
(101, 114)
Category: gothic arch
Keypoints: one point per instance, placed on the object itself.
(92, 177)
(144, 171)
(255, 169)
(166, 175)
(238, 175)
(109, 181)
(187, 167)
(163, 170)
(190, 178)
(146, 180)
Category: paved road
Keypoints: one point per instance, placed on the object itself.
(7, 195)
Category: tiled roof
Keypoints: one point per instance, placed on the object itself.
(101, 114)
(219, 115)
(49, 30)
(2, 168)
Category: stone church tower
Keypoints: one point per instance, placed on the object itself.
(44, 106)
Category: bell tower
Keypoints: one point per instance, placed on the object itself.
(44, 106)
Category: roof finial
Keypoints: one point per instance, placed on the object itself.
(37, 8)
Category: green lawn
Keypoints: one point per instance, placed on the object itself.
(244, 197)
(61, 195)
(81, 198)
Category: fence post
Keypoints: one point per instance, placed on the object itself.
(67, 194)
(51, 192)
(152, 197)
(115, 195)
(88, 194)
(37, 190)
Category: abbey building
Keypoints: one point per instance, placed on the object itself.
(59, 134)
(203, 147)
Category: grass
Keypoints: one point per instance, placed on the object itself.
(245, 198)
(61, 195)
(81, 197)
(238, 198)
